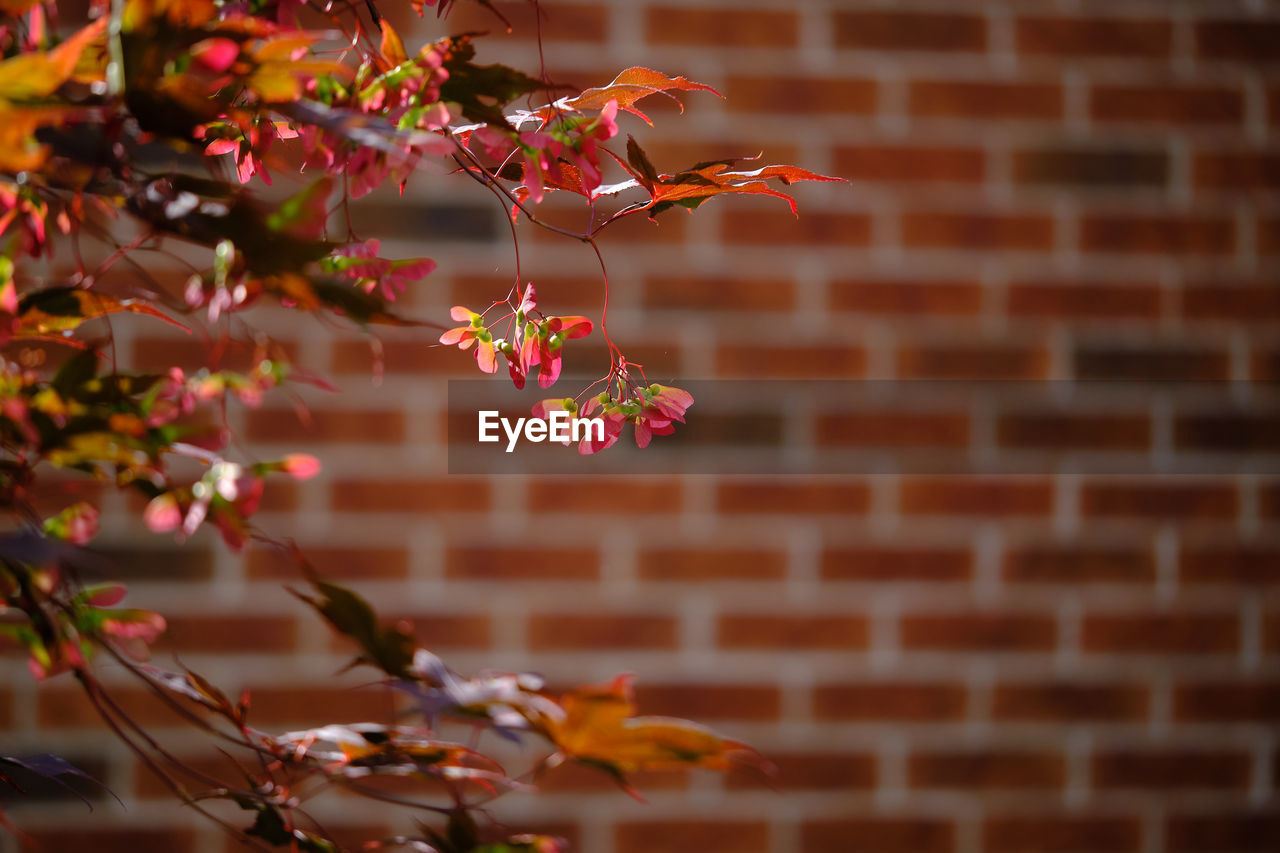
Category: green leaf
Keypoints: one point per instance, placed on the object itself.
(389, 649)
(304, 214)
(482, 91)
(640, 161)
(75, 373)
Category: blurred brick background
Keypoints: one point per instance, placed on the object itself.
(1040, 190)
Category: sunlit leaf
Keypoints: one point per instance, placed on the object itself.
(631, 86)
(691, 187)
(599, 729)
(62, 309)
(37, 75)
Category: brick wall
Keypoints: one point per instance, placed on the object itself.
(1049, 658)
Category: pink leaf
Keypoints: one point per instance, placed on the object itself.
(163, 513)
(300, 466)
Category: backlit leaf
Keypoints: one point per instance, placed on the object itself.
(38, 75)
(598, 729)
(631, 86)
(61, 309)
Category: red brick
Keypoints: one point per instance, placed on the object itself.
(454, 222)
(985, 100)
(1233, 303)
(808, 498)
(1079, 563)
(1269, 236)
(691, 836)
(402, 358)
(560, 291)
(114, 839)
(973, 362)
(597, 494)
(1240, 832)
(1265, 365)
(753, 631)
(526, 563)
(229, 633)
(1253, 170)
(1148, 633)
(1171, 499)
(6, 708)
(171, 565)
(787, 94)
(671, 229)
(757, 361)
(712, 27)
(1269, 500)
(445, 630)
(1054, 834)
(279, 496)
(890, 563)
(191, 354)
(903, 164)
(53, 491)
(454, 494)
(1271, 633)
(986, 770)
(901, 31)
(907, 298)
(561, 631)
(229, 771)
(893, 429)
(1169, 769)
(898, 702)
(1230, 563)
(709, 701)
(70, 707)
(1076, 37)
(1070, 702)
(1025, 232)
(1084, 301)
(1091, 167)
(878, 835)
(985, 632)
(824, 770)
(589, 358)
(1228, 432)
(1153, 363)
(689, 293)
(710, 564)
(1227, 702)
(381, 426)
(975, 496)
(1248, 41)
(1157, 234)
(741, 227)
(1063, 431)
(560, 21)
(345, 563)
(299, 705)
(1176, 105)
(577, 778)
